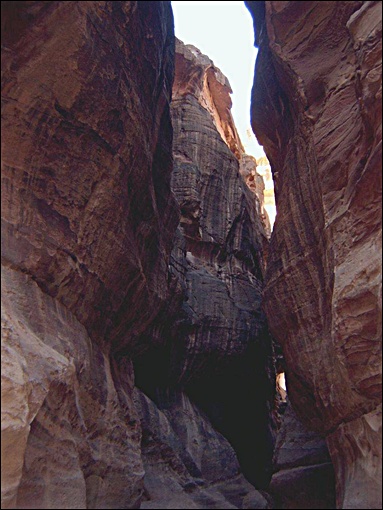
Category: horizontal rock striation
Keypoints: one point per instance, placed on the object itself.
(197, 75)
(316, 108)
(99, 283)
(217, 352)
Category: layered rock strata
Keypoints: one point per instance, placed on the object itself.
(225, 350)
(87, 207)
(88, 219)
(316, 109)
(218, 351)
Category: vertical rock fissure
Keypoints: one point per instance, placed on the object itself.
(140, 293)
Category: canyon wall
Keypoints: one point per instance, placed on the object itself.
(219, 259)
(88, 219)
(316, 109)
(135, 353)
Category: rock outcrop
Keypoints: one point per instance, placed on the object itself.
(264, 170)
(225, 350)
(248, 168)
(316, 109)
(187, 463)
(88, 219)
(70, 433)
(303, 472)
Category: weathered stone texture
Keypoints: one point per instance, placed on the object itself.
(88, 219)
(222, 351)
(197, 75)
(87, 208)
(303, 472)
(187, 463)
(316, 108)
(255, 181)
(264, 169)
(70, 432)
(220, 249)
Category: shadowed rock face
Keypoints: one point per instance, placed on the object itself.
(316, 108)
(88, 219)
(303, 472)
(218, 350)
(222, 236)
(70, 433)
(187, 463)
(255, 181)
(224, 351)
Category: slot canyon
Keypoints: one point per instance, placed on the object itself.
(150, 317)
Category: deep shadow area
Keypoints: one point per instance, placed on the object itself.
(237, 402)
(237, 399)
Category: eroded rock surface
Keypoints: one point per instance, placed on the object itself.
(248, 169)
(70, 430)
(87, 157)
(187, 463)
(223, 345)
(303, 472)
(316, 109)
(217, 353)
(86, 163)
(89, 221)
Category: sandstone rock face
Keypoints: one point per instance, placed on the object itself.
(220, 247)
(87, 209)
(70, 432)
(316, 108)
(89, 222)
(217, 352)
(264, 170)
(197, 75)
(88, 219)
(187, 463)
(248, 170)
(222, 351)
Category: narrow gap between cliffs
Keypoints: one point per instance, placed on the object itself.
(238, 395)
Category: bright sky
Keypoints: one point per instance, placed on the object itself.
(224, 32)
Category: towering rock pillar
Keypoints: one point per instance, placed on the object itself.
(219, 350)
